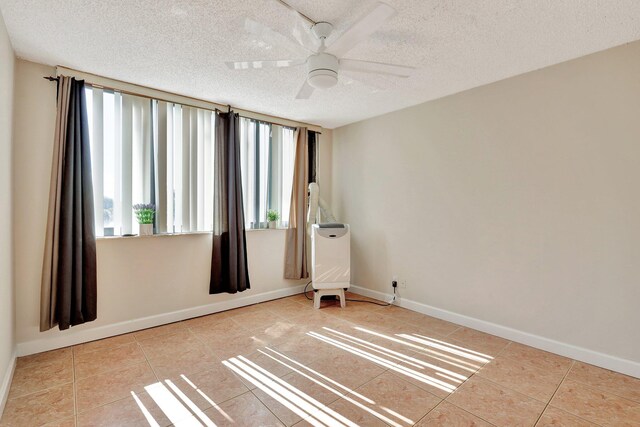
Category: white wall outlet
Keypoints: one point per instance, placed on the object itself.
(402, 284)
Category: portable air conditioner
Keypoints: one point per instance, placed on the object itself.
(330, 261)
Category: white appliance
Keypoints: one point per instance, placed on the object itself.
(330, 261)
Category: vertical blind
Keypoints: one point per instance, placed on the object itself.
(267, 154)
(150, 151)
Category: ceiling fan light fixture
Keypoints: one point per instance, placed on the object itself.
(322, 70)
(322, 79)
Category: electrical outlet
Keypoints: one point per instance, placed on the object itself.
(402, 284)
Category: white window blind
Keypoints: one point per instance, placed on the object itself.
(149, 151)
(267, 157)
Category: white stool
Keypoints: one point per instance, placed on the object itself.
(319, 293)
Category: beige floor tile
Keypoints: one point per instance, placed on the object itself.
(316, 319)
(159, 330)
(373, 320)
(39, 408)
(305, 349)
(241, 345)
(209, 319)
(427, 379)
(353, 364)
(108, 387)
(299, 297)
(104, 344)
(96, 362)
(477, 341)
(125, 413)
(554, 417)
(354, 412)
(225, 329)
(45, 357)
(254, 308)
(277, 303)
(402, 314)
(271, 360)
(211, 387)
(184, 363)
(297, 396)
(163, 345)
(606, 380)
(596, 406)
(522, 377)
(549, 362)
(41, 373)
(450, 415)
(496, 404)
(448, 353)
(243, 411)
(431, 369)
(289, 309)
(381, 341)
(430, 327)
(349, 370)
(333, 307)
(395, 399)
(256, 319)
(66, 422)
(281, 330)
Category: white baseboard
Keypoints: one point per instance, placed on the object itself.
(6, 382)
(607, 361)
(72, 337)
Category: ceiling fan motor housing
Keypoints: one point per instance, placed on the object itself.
(322, 70)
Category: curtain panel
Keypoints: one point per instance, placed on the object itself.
(313, 155)
(68, 288)
(229, 268)
(296, 241)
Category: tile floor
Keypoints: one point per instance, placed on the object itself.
(283, 363)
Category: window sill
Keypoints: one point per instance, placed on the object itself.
(137, 236)
(190, 233)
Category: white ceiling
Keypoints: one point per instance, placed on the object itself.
(181, 46)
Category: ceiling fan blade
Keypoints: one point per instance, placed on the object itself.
(301, 31)
(268, 37)
(361, 29)
(348, 78)
(376, 68)
(256, 65)
(305, 91)
(301, 28)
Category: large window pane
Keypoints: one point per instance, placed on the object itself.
(267, 155)
(146, 151)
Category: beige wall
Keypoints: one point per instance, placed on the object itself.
(7, 322)
(137, 277)
(325, 172)
(516, 203)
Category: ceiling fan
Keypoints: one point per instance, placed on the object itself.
(325, 62)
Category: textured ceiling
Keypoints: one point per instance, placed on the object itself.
(181, 46)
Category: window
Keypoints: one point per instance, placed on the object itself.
(267, 155)
(150, 151)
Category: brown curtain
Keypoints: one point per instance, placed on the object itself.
(295, 263)
(68, 289)
(229, 268)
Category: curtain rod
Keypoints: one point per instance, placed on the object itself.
(270, 119)
(126, 92)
